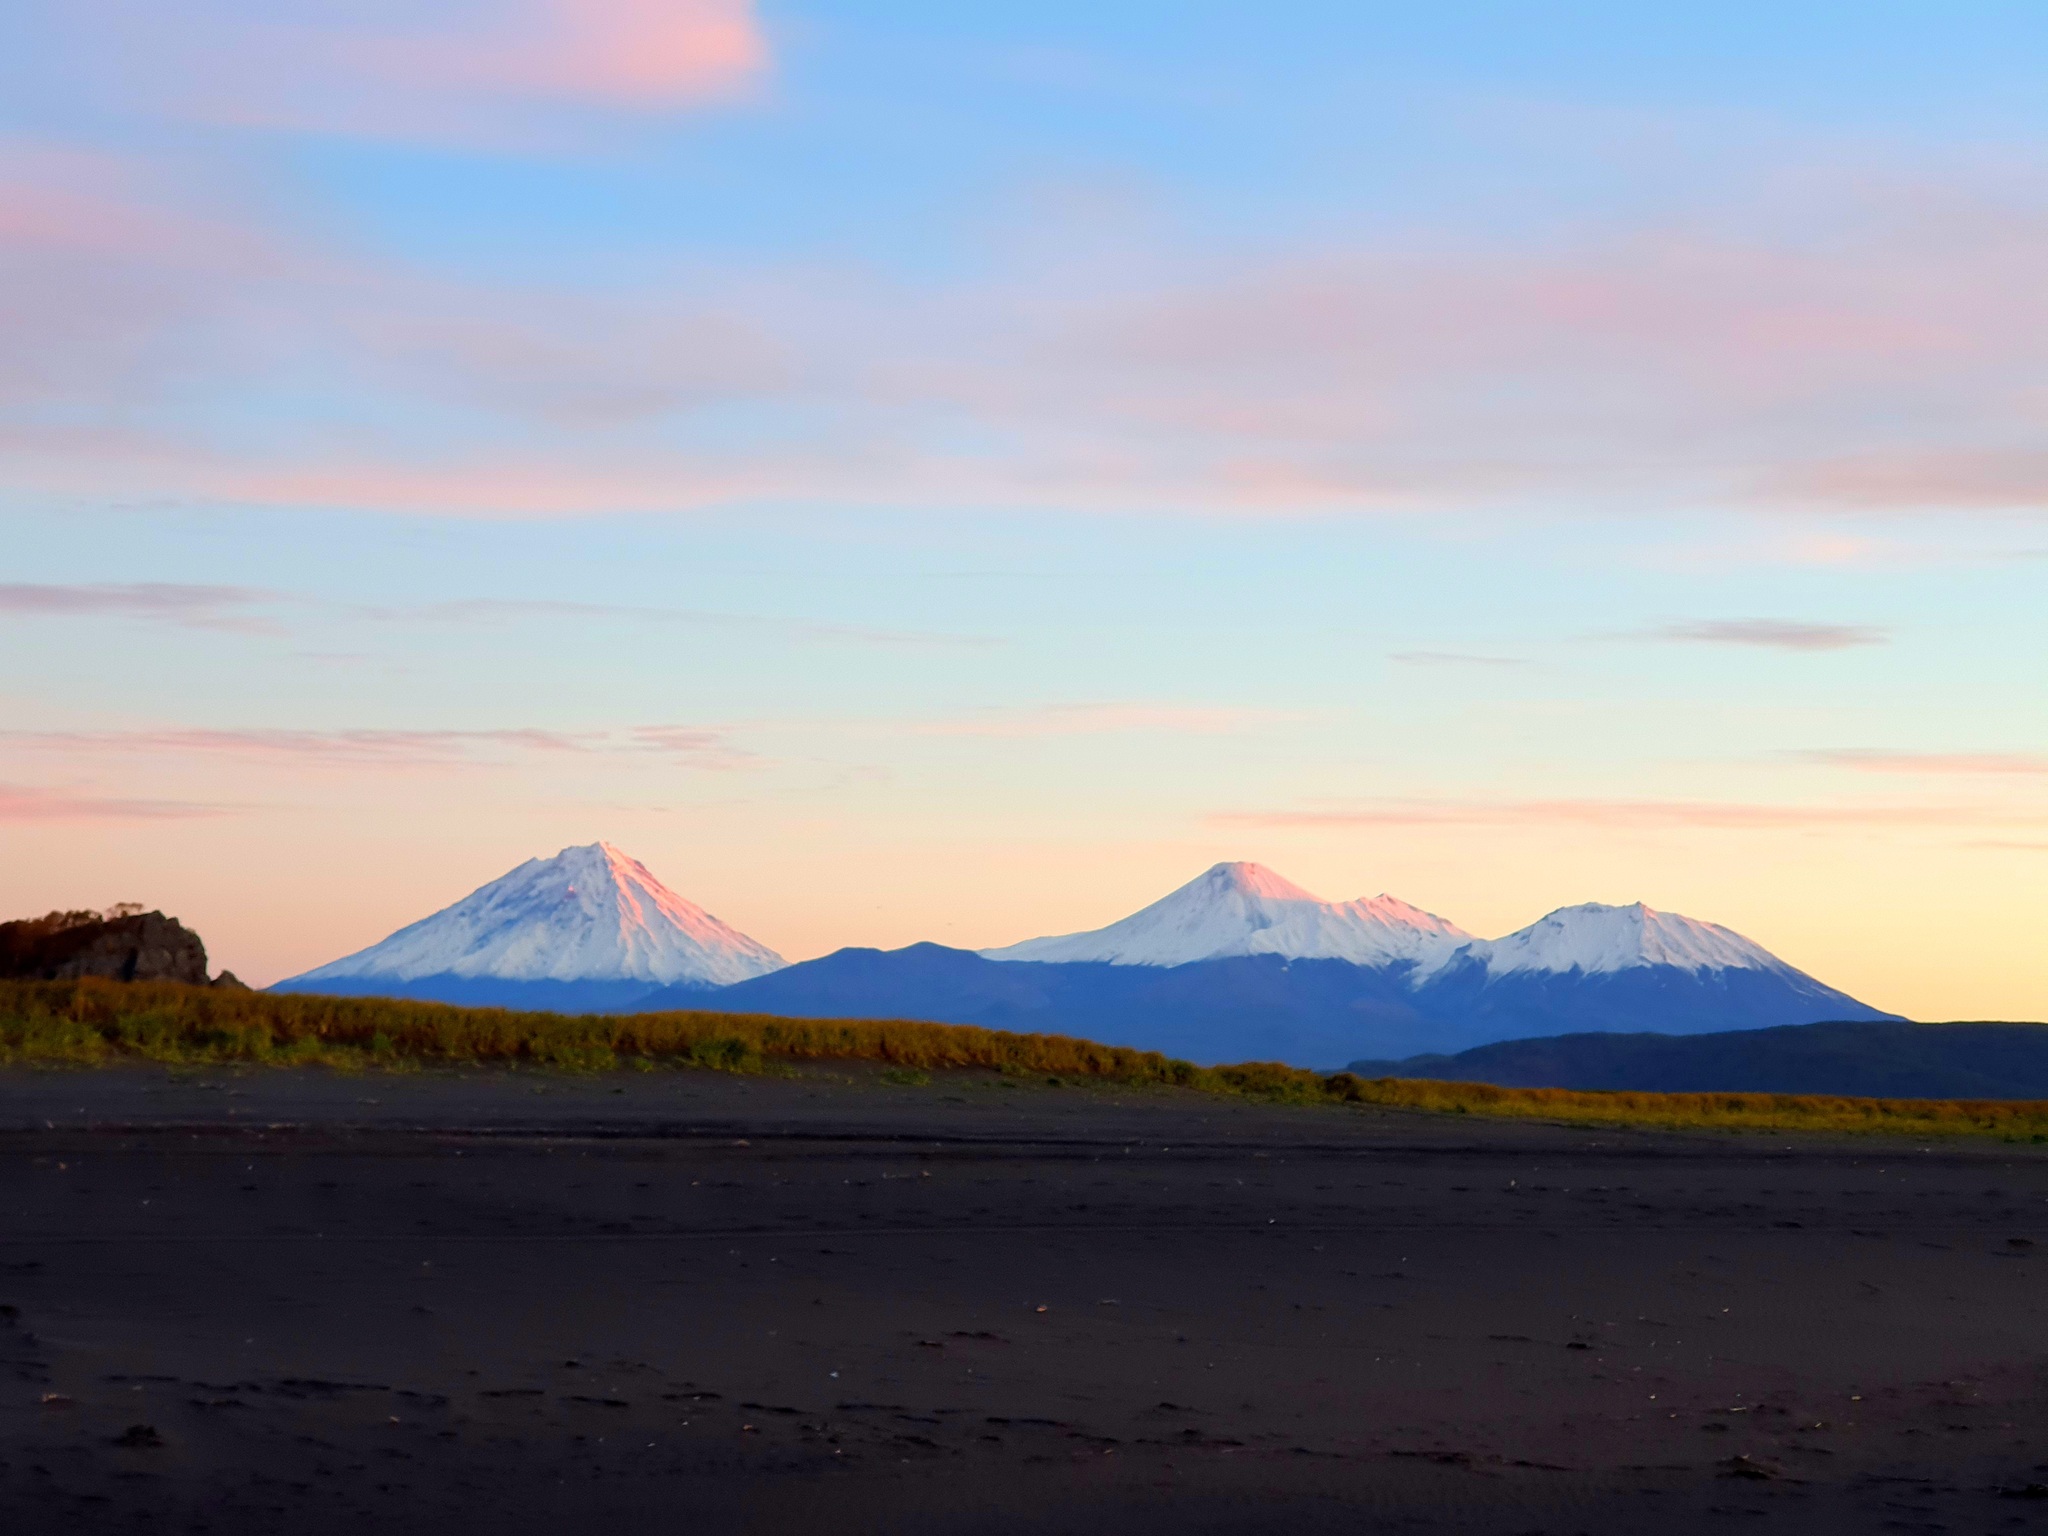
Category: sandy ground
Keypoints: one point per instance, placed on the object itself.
(684, 1302)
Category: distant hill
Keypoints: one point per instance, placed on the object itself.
(1864, 1060)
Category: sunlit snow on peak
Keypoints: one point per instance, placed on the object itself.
(1247, 909)
(1596, 938)
(1253, 880)
(590, 913)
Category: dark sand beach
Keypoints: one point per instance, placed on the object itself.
(275, 1301)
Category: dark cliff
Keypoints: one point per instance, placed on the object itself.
(120, 945)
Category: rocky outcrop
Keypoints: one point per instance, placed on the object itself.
(119, 945)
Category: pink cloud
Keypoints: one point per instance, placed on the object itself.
(42, 218)
(512, 610)
(588, 364)
(394, 748)
(1453, 659)
(691, 744)
(1647, 815)
(398, 749)
(117, 277)
(1971, 764)
(465, 70)
(642, 53)
(27, 803)
(1770, 634)
(1620, 372)
(1992, 477)
(1708, 364)
(1106, 719)
(187, 606)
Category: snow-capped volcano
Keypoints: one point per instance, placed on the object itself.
(1596, 939)
(1237, 965)
(588, 914)
(1246, 909)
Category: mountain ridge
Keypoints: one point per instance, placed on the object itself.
(1237, 964)
(1245, 909)
(1596, 939)
(589, 914)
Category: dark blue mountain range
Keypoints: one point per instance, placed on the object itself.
(1316, 1013)
(1247, 1007)
(1239, 964)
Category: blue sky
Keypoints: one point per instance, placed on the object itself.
(931, 472)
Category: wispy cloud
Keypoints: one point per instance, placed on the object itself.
(1888, 760)
(394, 748)
(1767, 634)
(696, 745)
(641, 53)
(1106, 719)
(29, 803)
(1453, 659)
(399, 749)
(1769, 364)
(1631, 814)
(426, 71)
(229, 609)
(188, 607)
(1993, 477)
(513, 610)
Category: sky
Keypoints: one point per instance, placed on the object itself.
(914, 471)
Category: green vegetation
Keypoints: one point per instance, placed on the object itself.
(92, 1022)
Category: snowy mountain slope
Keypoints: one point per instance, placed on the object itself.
(1598, 940)
(1596, 967)
(589, 914)
(1246, 909)
(1471, 1007)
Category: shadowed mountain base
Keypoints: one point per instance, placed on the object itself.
(1893, 1061)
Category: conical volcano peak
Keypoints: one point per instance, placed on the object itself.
(611, 855)
(1594, 937)
(591, 860)
(590, 913)
(595, 877)
(1255, 880)
(604, 864)
(1246, 909)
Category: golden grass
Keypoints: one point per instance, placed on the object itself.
(92, 1022)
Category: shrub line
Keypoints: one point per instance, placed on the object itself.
(91, 1022)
